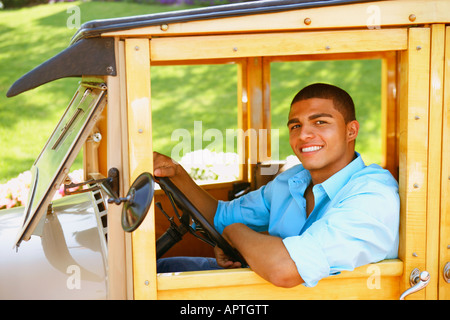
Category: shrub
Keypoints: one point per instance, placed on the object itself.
(15, 192)
(206, 165)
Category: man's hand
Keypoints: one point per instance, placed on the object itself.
(164, 166)
(224, 261)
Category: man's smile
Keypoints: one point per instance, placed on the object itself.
(311, 148)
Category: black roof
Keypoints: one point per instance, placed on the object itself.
(94, 28)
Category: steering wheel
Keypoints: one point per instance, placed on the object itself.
(175, 233)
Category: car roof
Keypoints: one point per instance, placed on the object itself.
(96, 27)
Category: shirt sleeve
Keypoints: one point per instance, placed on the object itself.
(362, 228)
(251, 209)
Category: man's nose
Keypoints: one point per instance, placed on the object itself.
(306, 133)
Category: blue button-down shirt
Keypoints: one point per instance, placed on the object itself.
(355, 220)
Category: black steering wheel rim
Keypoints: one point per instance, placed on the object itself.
(186, 206)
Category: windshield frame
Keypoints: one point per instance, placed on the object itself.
(52, 166)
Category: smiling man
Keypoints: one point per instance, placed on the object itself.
(328, 214)
(322, 136)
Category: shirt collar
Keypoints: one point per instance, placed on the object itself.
(337, 181)
(333, 184)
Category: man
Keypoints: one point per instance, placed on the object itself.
(328, 214)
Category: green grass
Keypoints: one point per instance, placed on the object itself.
(28, 37)
(184, 94)
(209, 97)
(181, 94)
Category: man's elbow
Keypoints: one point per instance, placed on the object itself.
(285, 278)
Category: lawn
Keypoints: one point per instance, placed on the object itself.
(182, 94)
(28, 37)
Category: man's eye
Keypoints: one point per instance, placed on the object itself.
(295, 126)
(319, 122)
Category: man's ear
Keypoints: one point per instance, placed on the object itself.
(352, 130)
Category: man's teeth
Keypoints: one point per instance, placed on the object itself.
(309, 149)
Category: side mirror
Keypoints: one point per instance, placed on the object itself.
(135, 205)
(139, 199)
(137, 202)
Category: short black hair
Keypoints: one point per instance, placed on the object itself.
(342, 101)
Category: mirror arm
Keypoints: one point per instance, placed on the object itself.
(110, 185)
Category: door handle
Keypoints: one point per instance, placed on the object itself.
(447, 272)
(418, 281)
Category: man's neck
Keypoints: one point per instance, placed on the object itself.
(319, 176)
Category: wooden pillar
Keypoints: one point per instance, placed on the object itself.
(444, 245)
(117, 271)
(140, 151)
(413, 148)
(434, 161)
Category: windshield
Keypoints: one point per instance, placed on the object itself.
(52, 166)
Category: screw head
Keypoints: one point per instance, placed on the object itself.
(109, 70)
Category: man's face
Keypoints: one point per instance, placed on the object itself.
(320, 138)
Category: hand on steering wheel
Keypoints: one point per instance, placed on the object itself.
(224, 261)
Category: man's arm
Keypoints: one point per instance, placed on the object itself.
(265, 254)
(164, 166)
